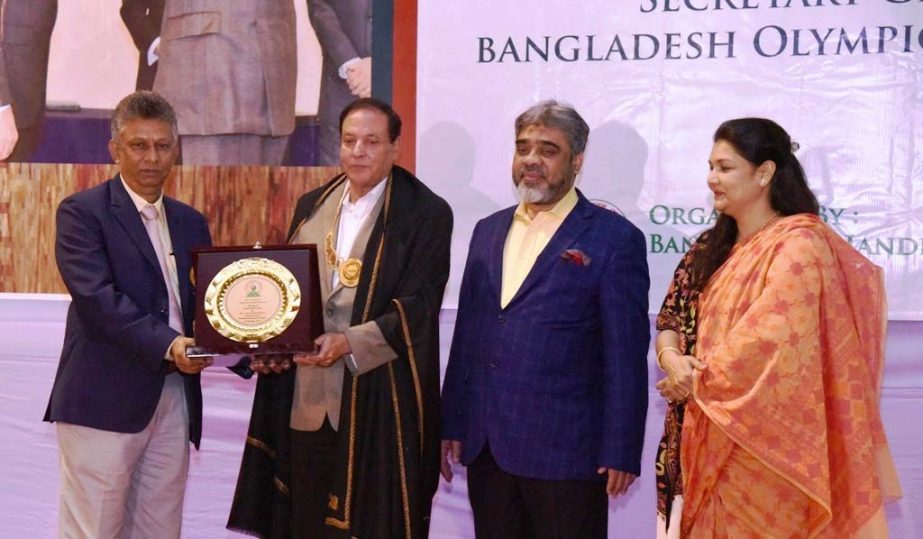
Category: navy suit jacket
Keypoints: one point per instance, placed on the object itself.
(556, 382)
(112, 366)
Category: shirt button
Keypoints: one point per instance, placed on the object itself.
(329, 311)
(502, 319)
(492, 365)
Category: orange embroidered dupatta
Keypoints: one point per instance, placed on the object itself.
(784, 436)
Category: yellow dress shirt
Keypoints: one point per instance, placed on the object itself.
(527, 238)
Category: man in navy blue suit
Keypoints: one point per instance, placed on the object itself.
(126, 398)
(545, 395)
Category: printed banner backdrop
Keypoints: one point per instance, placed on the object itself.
(270, 68)
(654, 78)
(95, 65)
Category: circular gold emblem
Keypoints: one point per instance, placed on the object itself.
(252, 300)
(349, 272)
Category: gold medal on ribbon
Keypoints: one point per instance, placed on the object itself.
(349, 272)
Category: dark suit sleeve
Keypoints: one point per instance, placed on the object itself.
(25, 34)
(83, 261)
(454, 405)
(142, 19)
(333, 40)
(626, 337)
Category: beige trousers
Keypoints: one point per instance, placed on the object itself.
(127, 485)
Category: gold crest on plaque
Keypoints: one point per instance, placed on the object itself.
(252, 300)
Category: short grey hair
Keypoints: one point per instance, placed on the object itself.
(560, 116)
(145, 105)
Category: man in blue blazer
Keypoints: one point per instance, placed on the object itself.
(545, 395)
(126, 398)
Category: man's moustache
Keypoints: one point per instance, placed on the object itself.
(540, 172)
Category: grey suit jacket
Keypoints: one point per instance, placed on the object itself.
(229, 66)
(25, 35)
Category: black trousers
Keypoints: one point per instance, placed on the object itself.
(313, 462)
(507, 506)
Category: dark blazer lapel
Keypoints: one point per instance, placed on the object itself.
(127, 215)
(496, 241)
(574, 225)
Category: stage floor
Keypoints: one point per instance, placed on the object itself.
(32, 327)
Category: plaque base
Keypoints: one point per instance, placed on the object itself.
(203, 352)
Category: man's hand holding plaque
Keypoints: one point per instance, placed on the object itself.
(184, 363)
(330, 348)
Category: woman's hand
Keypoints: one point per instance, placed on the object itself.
(677, 386)
(670, 391)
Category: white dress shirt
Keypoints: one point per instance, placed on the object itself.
(352, 216)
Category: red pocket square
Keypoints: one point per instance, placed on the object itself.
(576, 256)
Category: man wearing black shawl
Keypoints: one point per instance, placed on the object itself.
(357, 458)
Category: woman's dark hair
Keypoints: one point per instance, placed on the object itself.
(758, 140)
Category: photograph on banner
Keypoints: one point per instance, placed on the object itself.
(654, 79)
(254, 82)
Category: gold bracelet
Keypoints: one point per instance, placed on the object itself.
(664, 349)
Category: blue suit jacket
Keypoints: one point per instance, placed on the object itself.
(112, 365)
(557, 381)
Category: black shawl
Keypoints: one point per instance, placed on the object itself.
(388, 439)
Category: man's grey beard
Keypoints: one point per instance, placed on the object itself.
(531, 195)
(544, 194)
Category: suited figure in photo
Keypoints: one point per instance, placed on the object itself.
(142, 19)
(229, 68)
(126, 398)
(545, 393)
(25, 38)
(344, 31)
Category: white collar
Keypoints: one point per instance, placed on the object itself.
(366, 202)
(139, 201)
